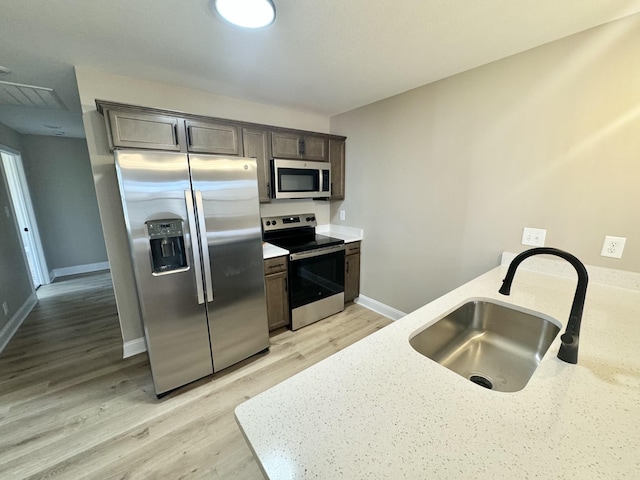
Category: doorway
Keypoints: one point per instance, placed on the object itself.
(25, 217)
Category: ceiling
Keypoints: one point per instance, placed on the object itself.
(325, 57)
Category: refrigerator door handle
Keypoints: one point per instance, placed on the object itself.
(193, 232)
(205, 245)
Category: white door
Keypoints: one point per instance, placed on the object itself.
(25, 218)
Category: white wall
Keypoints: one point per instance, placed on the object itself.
(59, 175)
(94, 85)
(444, 177)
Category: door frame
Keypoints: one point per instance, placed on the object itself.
(20, 197)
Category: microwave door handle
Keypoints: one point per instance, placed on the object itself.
(324, 187)
(195, 248)
(205, 245)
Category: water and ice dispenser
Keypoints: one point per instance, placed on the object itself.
(167, 245)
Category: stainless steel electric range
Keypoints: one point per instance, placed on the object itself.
(316, 267)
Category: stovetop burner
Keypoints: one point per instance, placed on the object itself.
(296, 233)
(303, 243)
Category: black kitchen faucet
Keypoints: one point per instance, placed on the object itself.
(569, 348)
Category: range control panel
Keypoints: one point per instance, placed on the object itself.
(283, 222)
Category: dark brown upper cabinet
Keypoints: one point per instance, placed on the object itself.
(296, 146)
(256, 145)
(144, 130)
(336, 157)
(209, 137)
(130, 126)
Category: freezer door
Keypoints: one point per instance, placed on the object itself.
(226, 192)
(156, 198)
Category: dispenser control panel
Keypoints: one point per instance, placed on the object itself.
(164, 228)
(166, 242)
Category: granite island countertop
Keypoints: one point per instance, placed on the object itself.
(379, 409)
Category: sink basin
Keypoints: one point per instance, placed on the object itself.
(493, 345)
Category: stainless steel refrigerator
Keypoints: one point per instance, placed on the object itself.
(195, 238)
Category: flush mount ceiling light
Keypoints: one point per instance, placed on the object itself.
(246, 13)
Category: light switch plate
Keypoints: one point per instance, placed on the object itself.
(533, 236)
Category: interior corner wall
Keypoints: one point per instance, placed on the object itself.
(94, 85)
(59, 175)
(10, 138)
(443, 178)
(15, 281)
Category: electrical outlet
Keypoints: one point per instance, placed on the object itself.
(343, 215)
(534, 236)
(613, 246)
(5, 307)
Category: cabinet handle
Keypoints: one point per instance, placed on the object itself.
(268, 190)
(301, 146)
(348, 266)
(286, 284)
(278, 265)
(175, 133)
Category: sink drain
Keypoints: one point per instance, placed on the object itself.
(482, 381)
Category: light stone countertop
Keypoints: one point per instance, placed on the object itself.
(348, 234)
(271, 251)
(380, 410)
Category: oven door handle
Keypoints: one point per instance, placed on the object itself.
(316, 252)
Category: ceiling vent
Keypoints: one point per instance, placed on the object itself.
(29, 96)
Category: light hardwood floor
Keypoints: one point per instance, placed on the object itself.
(70, 407)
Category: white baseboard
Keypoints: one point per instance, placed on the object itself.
(134, 347)
(9, 330)
(76, 269)
(380, 308)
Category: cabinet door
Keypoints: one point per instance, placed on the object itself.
(351, 277)
(205, 137)
(336, 157)
(285, 145)
(256, 145)
(143, 130)
(277, 300)
(314, 148)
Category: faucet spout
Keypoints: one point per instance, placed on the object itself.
(570, 338)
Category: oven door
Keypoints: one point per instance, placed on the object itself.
(301, 179)
(316, 284)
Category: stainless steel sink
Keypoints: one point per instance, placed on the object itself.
(493, 345)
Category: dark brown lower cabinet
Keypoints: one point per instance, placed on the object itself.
(276, 287)
(351, 271)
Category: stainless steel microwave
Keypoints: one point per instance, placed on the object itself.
(300, 179)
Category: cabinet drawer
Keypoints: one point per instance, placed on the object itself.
(275, 265)
(351, 248)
